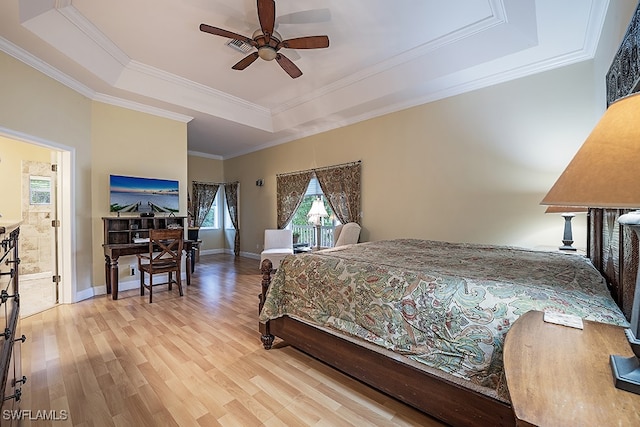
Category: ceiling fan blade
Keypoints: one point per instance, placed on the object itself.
(267, 16)
(224, 33)
(311, 42)
(246, 61)
(288, 66)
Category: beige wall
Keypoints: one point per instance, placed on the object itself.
(103, 139)
(42, 109)
(473, 167)
(468, 168)
(127, 142)
(205, 169)
(12, 154)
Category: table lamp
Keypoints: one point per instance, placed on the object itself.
(567, 212)
(605, 173)
(315, 215)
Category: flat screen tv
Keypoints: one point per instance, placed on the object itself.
(143, 195)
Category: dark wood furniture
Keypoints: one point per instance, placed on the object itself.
(125, 230)
(164, 257)
(448, 400)
(612, 250)
(119, 235)
(12, 379)
(560, 376)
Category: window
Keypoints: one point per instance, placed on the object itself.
(305, 232)
(39, 190)
(212, 219)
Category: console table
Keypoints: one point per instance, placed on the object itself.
(560, 376)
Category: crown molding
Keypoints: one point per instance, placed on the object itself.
(32, 61)
(143, 108)
(205, 155)
(497, 17)
(36, 63)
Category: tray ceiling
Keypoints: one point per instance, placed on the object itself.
(383, 56)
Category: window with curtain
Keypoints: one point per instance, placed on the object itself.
(203, 195)
(303, 230)
(339, 184)
(212, 217)
(231, 193)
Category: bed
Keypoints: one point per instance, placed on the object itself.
(425, 321)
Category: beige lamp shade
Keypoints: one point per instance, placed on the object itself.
(605, 172)
(565, 209)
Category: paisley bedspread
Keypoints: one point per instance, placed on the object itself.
(446, 305)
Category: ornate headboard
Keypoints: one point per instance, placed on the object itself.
(613, 249)
(623, 77)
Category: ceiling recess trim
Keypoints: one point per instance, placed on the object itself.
(66, 29)
(25, 57)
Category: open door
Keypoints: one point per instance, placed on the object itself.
(39, 277)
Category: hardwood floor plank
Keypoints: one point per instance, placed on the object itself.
(188, 361)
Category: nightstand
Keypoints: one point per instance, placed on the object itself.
(560, 376)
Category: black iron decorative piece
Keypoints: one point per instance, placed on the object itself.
(623, 77)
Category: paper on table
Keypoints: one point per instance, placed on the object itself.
(563, 319)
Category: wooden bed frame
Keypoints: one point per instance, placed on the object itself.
(612, 250)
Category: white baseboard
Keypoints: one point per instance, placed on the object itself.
(250, 255)
(90, 293)
(123, 285)
(134, 283)
(215, 251)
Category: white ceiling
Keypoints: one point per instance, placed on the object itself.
(383, 56)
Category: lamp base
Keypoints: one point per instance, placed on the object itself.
(567, 238)
(626, 372)
(566, 247)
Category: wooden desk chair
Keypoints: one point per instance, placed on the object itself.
(165, 256)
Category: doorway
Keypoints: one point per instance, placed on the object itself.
(38, 237)
(45, 262)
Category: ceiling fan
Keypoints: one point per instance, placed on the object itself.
(269, 42)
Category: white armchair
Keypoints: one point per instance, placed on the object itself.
(277, 245)
(346, 234)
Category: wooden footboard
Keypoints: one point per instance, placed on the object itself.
(446, 400)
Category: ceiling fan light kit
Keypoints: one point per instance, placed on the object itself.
(268, 42)
(267, 49)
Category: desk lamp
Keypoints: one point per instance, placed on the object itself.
(605, 173)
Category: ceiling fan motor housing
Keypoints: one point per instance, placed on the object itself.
(267, 51)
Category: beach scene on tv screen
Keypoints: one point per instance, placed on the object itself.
(133, 194)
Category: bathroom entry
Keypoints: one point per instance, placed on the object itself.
(38, 238)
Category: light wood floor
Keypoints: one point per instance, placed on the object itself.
(190, 361)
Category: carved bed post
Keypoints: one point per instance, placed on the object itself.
(266, 267)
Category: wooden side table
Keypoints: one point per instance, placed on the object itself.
(560, 376)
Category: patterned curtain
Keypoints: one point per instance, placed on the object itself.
(231, 195)
(203, 196)
(290, 192)
(341, 187)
